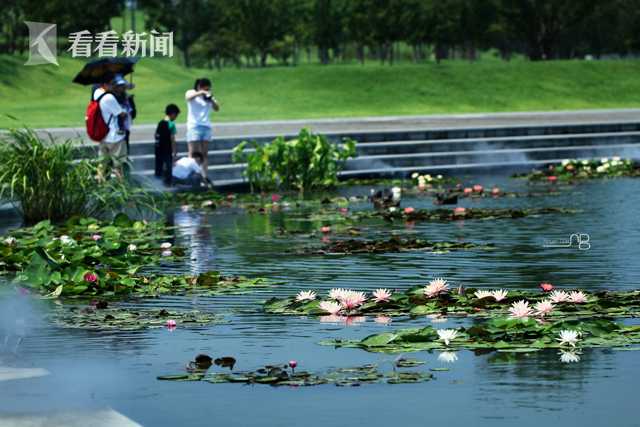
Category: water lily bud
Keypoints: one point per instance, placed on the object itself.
(326, 229)
(10, 241)
(96, 237)
(171, 324)
(90, 277)
(132, 247)
(293, 364)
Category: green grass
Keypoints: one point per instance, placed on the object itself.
(42, 96)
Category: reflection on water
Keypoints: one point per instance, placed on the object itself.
(96, 370)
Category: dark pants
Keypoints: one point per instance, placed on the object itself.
(164, 164)
(193, 180)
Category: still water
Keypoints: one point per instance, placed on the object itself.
(98, 370)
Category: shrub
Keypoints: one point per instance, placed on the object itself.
(305, 163)
(45, 180)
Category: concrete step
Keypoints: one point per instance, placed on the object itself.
(492, 155)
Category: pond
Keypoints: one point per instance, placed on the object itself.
(118, 370)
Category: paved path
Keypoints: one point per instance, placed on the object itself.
(387, 123)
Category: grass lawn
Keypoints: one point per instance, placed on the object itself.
(43, 96)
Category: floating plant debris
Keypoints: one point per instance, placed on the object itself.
(393, 244)
(437, 299)
(503, 334)
(283, 375)
(128, 319)
(571, 169)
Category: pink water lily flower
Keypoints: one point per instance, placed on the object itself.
(344, 210)
(171, 324)
(337, 293)
(96, 237)
(520, 309)
(478, 188)
(495, 191)
(499, 294)
(546, 287)
(409, 210)
(468, 190)
(459, 211)
(330, 307)
(353, 299)
(577, 297)
(325, 229)
(544, 307)
(275, 198)
(381, 295)
(435, 287)
(558, 296)
(90, 277)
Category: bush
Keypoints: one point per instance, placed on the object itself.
(44, 180)
(306, 163)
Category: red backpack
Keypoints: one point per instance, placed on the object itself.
(97, 129)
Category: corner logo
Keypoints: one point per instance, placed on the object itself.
(42, 43)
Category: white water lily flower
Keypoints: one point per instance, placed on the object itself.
(306, 296)
(616, 158)
(439, 176)
(520, 309)
(330, 307)
(436, 287)
(577, 297)
(565, 162)
(569, 337)
(600, 169)
(10, 241)
(569, 357)
(499, 295)
(544, 307)
(447, 335)
(604, 160)
(132, 247)
(558, 296)
(448, 357)
(585, 162)
(483, 294)
(393, 209)
(166, 245)
(337, 293)
(382, 295)
(415, 175)
(167, 252)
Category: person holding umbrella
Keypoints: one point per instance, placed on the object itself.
(112, 146)
(110, 130)
(200, 102)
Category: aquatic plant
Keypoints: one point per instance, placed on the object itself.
(415, 302)
(44, 179)
(436, 287)
(503, 334)
(305, 296)
(381, 295)
(447, 335)
(278, 375)
(459, 213)
(307, 162)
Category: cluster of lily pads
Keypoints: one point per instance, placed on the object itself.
(286, 375)
(100, 316)
(393, 244)
(458, 213)
(571, 169)
(438, 300)
(86, 257)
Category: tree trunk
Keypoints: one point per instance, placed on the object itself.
(263, 58)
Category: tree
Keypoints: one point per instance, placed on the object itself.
(188, 19)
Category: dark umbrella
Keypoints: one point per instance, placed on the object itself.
(101, 70)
